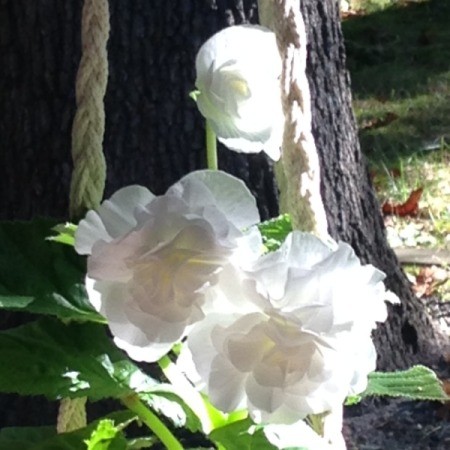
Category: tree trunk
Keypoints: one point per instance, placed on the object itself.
(154, 133)
(352, 209)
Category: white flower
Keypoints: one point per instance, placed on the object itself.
(152, 258)
(307, 343)
(297, 435)
(238, 76)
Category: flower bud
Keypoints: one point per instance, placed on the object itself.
(238, 78)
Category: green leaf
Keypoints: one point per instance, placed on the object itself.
(417, 383)
(106, 436)
(66, 233)
(275, 231)
(194, 94)
(352, 400)
(50, 358)
(139, 443)
(46, 438)
(39, 276)
(165, 400)
(14, 302)
(25, 438)
(241, 435)
(72, 360)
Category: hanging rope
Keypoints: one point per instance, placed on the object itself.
(298, 173)
(71, 415)
(89, 166)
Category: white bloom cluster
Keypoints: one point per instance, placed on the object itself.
(238, 78)
(284, 334)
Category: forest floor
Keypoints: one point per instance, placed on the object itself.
(398, 54)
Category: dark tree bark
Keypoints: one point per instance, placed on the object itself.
(154, 134)
(352, 209)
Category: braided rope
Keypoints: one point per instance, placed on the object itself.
(298, 173)
(71, 414)
(89, 166)
(89, 171)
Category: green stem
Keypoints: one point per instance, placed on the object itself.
(188, 393)
(133, 403)
(316, 422)
(211, 147)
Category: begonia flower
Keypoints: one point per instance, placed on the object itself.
(306, 344)
(151, 258)
(297, 435)
(238, 78)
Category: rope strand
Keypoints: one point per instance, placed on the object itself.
(298, 172)
(89, 166)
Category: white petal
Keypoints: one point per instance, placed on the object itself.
(273, 150)
(200, 344)
(108, 261)
(185, 364)
(113, 218)
(227, 45)
(297, 435)
(243, 145)
(147, 340)
(306, 250)
(228, 194)
(226, 386)
(249, 248)
(267, 398)
(230, 295)
(90, 230)
(150, 353)
(94, 291)
(365, 354)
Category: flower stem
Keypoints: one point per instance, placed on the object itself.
(133, 403)
(188, 393)
(211, 147)
(315, 421)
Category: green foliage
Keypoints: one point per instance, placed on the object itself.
(46, 438)
(26, 438)
(417, 383)
(244, 435)
(371, 5)
(274, 231)
(50, 358)
(398, 59)
(352, 400)
(66, 233)
(139, 443)
(241, 435)
(39, 276)
(106, 436)
(168, 401)
(73, 360)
